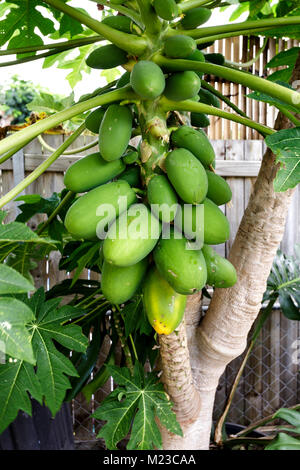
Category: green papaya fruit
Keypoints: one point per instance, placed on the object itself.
(119, 22)
(220, 272)
(115, 132)
(216, 225)
(132, 175)
(87, 217)
(195, 17)
(187, 175)
(131, 237)
(161, 193)
(218, 189)
(164, 307)
(199, 120)
(106, 57)
(195, 141)
(123, 80)
(208, 98)
(189, 220)
(197, 55)
(91, 171)
(120, 284)
(182, 86)
(166, 9)
(147, 79)
(182, 266)
(130, 157)
(179, 46)
(94, 119)
(215, 58)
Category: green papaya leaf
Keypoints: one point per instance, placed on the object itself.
(284, 442)
(142, 398)
(12, 282)
(15, 339)
(285, 144)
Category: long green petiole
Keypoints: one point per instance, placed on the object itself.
(253, 82)
(122, 9)
(219, 95)
(40, 169)
(129, 42)
(246, 25)
(56, 211)
(245, 65)
(69, 152)
(31, 58)
(56, 45)
(21, 138)
(192, 4)
(242, 32)
(193, 106)
(289, 115)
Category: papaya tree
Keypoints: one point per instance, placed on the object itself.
(147, 215)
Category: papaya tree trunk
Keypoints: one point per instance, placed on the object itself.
(222, 335)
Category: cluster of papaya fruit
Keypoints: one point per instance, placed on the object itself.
(149, 222)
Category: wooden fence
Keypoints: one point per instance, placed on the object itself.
(271, 378)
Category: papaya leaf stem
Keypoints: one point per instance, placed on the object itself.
(242, 32)
(192, 4)
(253, 82)
(41, 168)
(124, 10)
(223, 98)
(69, 152)
(21, 138)
(56, 211)
(245, 65)
(128, 42)
(150, 19)
(246, 25)
(56, 45)
(192, 106)
(31, 58)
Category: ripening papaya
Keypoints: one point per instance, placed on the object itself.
(166, 9)
(119, 22)
(208, 98)
(120, 284)
(160, 193)
(200, 120)
(180, 263)
(195, 17)
(220, 272)
(195, 141)
(132, 176)
(216, 225)
(115, 132)
(106, 57)
(179, 46)
(187, 175)
(147, 79)
(91, 171)
(123, 80)
(164, 306)
(131, 237)
(215, 58)
(94, 119)
(88, 217)
(182, 86)
(218, 189)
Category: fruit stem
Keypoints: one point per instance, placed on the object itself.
(41, 168)
(253, 82)
(192, 106)
(129, 42)
(69, 152)
(56, 211)
(24, 136)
